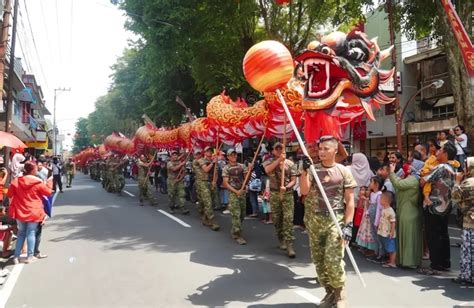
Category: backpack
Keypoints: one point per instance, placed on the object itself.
(255, 185)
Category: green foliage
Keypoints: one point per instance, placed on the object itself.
(194, 49)
(81, 139)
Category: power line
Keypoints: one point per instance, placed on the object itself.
(46, 29)
(59, 36)
(71, 35)
(34, 44)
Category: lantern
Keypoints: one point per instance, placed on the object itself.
(268, 66)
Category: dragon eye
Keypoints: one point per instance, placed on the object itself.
(326, 50)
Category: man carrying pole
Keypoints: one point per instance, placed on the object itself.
(203, 169)
(175, 183)
(326, 244)
(233, 176)
(281, 196)
(143, 183)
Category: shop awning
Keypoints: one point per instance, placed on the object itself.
(26, 95)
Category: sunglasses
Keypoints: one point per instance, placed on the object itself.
(327, 138)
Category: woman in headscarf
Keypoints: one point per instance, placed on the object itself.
(361, 171)
(17, 166)
(409, 216)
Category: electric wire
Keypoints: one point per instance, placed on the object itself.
(45, 83)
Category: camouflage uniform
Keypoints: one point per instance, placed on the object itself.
(203, 187)
(327, 250)
(69, 172)
(102, 173)
(282, 205)
(237, 205)
(118, 179)
(175, 187)
(145, 191)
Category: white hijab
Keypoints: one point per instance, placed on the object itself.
(17, 166)
(360, 169)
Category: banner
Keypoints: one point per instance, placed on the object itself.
(464, 42)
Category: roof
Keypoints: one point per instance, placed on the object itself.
(423, 55)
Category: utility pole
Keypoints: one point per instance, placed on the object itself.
(398, 120)
(55, 144)
(11, 73)
(7, 12)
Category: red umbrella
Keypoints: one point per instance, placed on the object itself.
(9, 140)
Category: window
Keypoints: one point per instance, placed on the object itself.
(443, 112)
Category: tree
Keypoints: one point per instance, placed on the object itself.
(421, 18)
(81, 138)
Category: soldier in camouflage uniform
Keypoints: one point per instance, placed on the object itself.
(143, 183)
(203, 171)
(102, 172)
(117, 181)
(195, 166)
(326, 244)
(233, 175)
(175, 184)
(70, 172)
(281, 197)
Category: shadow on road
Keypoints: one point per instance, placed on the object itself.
(258, 269)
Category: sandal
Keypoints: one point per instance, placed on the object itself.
(388, 265)
(428, 271)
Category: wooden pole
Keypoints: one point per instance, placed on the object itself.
(283, 166)
(247, 176)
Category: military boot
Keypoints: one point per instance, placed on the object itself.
(214, 226)
(290, 250)
(340, 299)
(205, 221)
(328, 299)
(282, 244)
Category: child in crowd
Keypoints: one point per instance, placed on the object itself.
(358, 218)
(267, 209)
(386, 228)
(375, 210)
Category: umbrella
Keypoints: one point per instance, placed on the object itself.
(9, 140)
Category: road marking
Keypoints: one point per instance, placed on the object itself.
(175, 219)
(131, 184)
(453, 228)
(308, 296)
(130, 194)
(7, 289)
(455, 238)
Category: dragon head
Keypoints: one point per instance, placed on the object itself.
(341, 75)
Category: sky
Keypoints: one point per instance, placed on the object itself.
(70, 44)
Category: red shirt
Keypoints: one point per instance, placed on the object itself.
(26, 195)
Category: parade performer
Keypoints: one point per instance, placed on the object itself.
(203, 177)
(175, 183)
(143, 184)
(281, 197)
(326, 244)
(233, 175)
(70, 172)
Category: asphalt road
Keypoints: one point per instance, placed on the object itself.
(107, 251)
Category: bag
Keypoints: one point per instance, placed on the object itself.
(48, 204)
(465, 150)
(255, 185)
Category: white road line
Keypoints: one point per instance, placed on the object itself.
(454, 228)
(131, 195)
(308, 296)
(455, 238)
(7, 289)
(131, 184)
(175, 219)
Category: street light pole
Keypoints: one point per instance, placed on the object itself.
(435, 84)
(55, 144)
